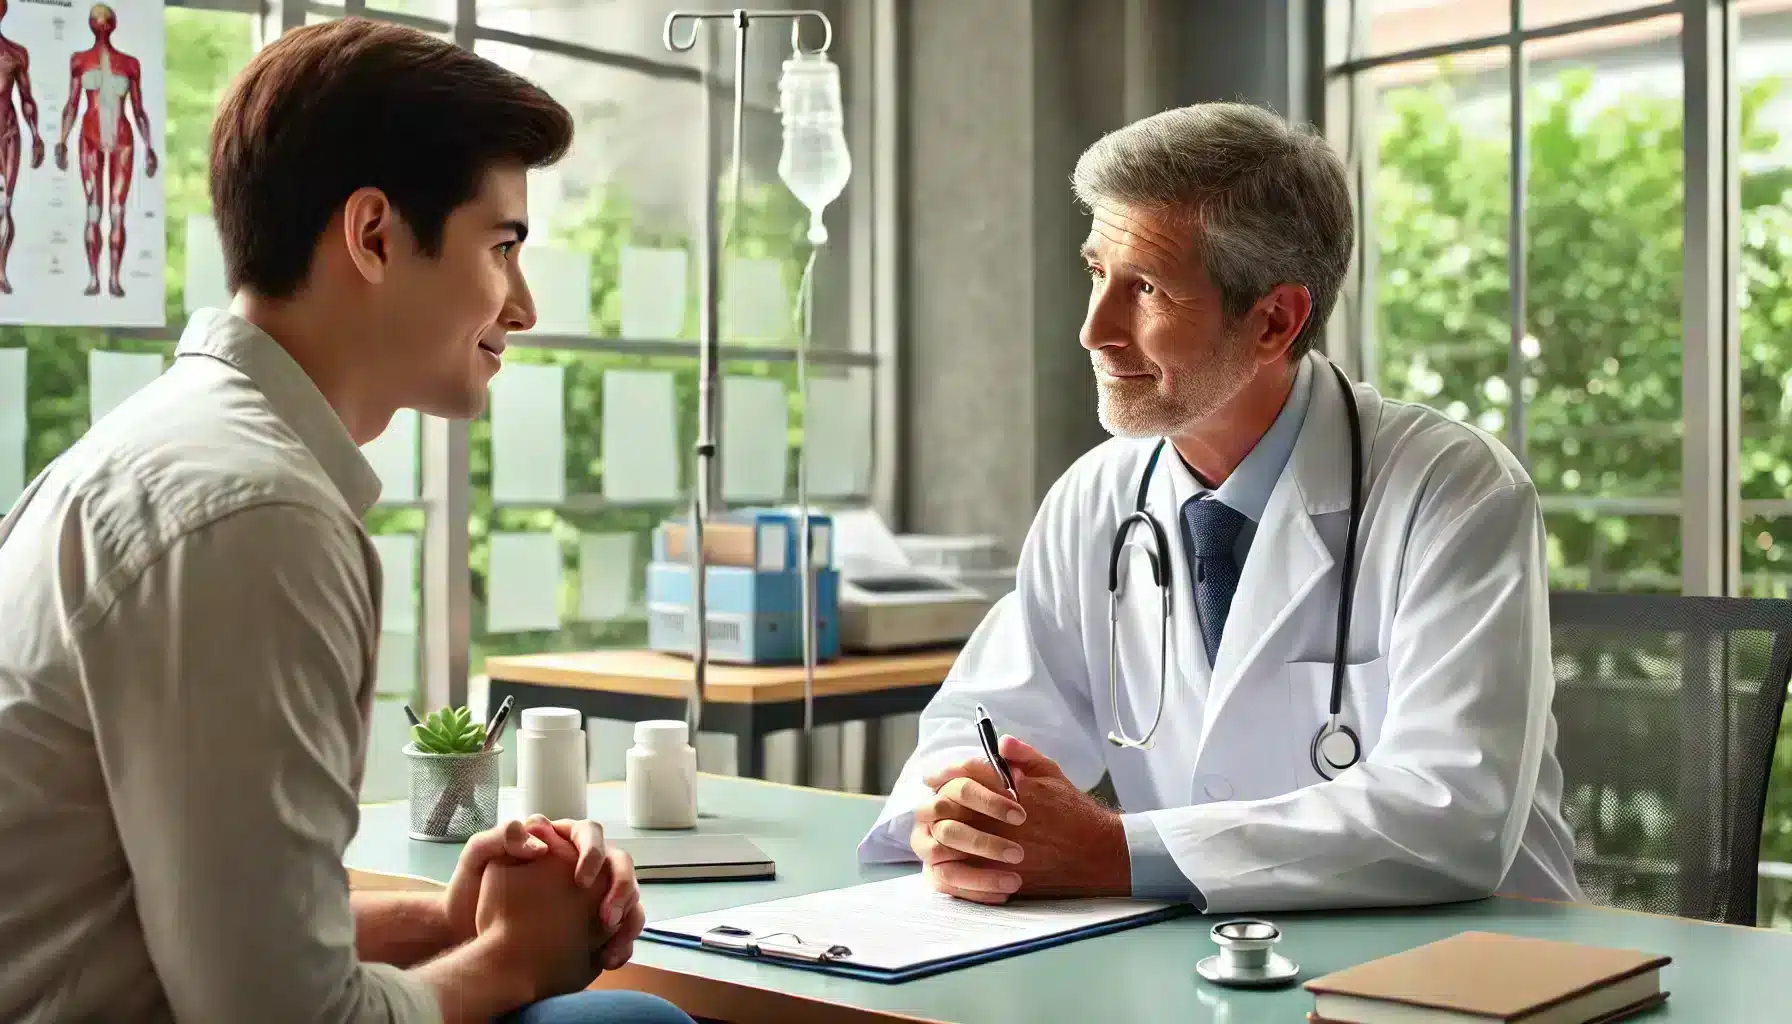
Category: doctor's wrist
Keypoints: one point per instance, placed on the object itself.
(1099, 862)
(1112, 859)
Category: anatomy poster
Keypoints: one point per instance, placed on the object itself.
(82, 125)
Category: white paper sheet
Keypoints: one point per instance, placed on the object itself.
(113, 377)
(560, 281)
(205, 266)
(49, 268)
(653, 285)
(522, 583)
(755, 439)
(838, 436)
(756, 304)
(641, 457)
(901, 922)
(12, 426)
(606, 576)
(398, 572)
(393, 456)
(528, 403)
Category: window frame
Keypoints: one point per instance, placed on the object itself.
(1709, 506)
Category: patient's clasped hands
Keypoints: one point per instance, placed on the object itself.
(563, 905)
(978, 844)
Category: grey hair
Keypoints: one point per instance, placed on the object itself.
(1268, 201)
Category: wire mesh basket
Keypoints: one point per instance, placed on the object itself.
(452, 796)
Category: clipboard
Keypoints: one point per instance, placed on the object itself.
(789, 947)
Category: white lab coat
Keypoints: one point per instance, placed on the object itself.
(1449, 680)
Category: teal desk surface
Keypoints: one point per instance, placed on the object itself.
(1719, 972)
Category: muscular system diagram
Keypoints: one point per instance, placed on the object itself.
(106, 78)
(15, 75)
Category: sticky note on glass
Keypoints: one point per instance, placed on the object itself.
(528, 405)
(653, 285)
(560, 282)
(393, 456)
(398, 573)
(113, 377)
(757, 306)
(606, 575)
(522, 583)
(640, 437)
(12, 426)
(837, 436)
(397, 670)
(205, 285)
(755, 440)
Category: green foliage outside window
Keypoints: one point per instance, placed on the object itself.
(1602, 378)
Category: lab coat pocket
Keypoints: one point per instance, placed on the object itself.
(1363, 707)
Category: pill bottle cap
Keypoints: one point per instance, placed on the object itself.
(662, 735)
(552, 719)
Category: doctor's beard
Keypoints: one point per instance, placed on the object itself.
(1169, 399)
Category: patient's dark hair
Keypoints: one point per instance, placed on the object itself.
(354, 103)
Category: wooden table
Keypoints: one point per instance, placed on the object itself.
(1719, 973)
(746, 701)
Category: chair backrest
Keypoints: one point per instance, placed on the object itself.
(1668, 708)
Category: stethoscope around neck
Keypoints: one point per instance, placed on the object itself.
(1335, 746)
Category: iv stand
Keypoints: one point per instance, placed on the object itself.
(707, 491)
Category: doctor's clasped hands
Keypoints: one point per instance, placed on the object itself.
(977, 843)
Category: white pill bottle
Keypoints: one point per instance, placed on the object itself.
(662, 776)
(551, 764)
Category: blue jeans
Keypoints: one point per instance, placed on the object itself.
(617, 1006)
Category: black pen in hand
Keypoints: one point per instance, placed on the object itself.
(986, 733)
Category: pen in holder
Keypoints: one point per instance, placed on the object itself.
(454, 774)
(453, 796)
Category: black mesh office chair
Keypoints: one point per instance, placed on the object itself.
(1668, 708)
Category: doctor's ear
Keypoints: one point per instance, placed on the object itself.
(1277, 320)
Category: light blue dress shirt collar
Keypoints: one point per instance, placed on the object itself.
(1154, 872)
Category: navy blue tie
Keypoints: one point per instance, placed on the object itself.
(1212, 534)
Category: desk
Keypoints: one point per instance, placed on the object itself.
(1719, 973)
(746, 701)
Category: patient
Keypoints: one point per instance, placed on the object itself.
(189, 604)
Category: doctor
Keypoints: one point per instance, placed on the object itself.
(1218, 241)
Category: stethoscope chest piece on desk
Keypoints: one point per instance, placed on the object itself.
(1247, 956)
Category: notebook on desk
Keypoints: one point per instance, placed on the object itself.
(696, 857)
(899, 929)
(1486, 977)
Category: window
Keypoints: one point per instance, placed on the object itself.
(1570, 355)
(562, 496)
(586, 445)
(1538, 260)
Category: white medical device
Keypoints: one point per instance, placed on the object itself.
(902, 609)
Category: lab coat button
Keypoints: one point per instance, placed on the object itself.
(1216, 787)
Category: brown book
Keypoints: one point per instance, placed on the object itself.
(1479, 977)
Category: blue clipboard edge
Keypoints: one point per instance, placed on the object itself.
(931, 967)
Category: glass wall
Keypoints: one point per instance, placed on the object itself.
(587, 442)
(1540, 259)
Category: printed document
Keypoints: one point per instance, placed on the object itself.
(902, 922)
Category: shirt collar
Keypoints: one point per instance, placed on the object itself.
(1248, 489)
(295, 398)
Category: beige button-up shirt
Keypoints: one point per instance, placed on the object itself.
(189, 624)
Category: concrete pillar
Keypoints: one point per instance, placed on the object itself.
(1002, 96)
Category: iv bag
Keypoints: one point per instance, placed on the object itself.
(815, 164)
